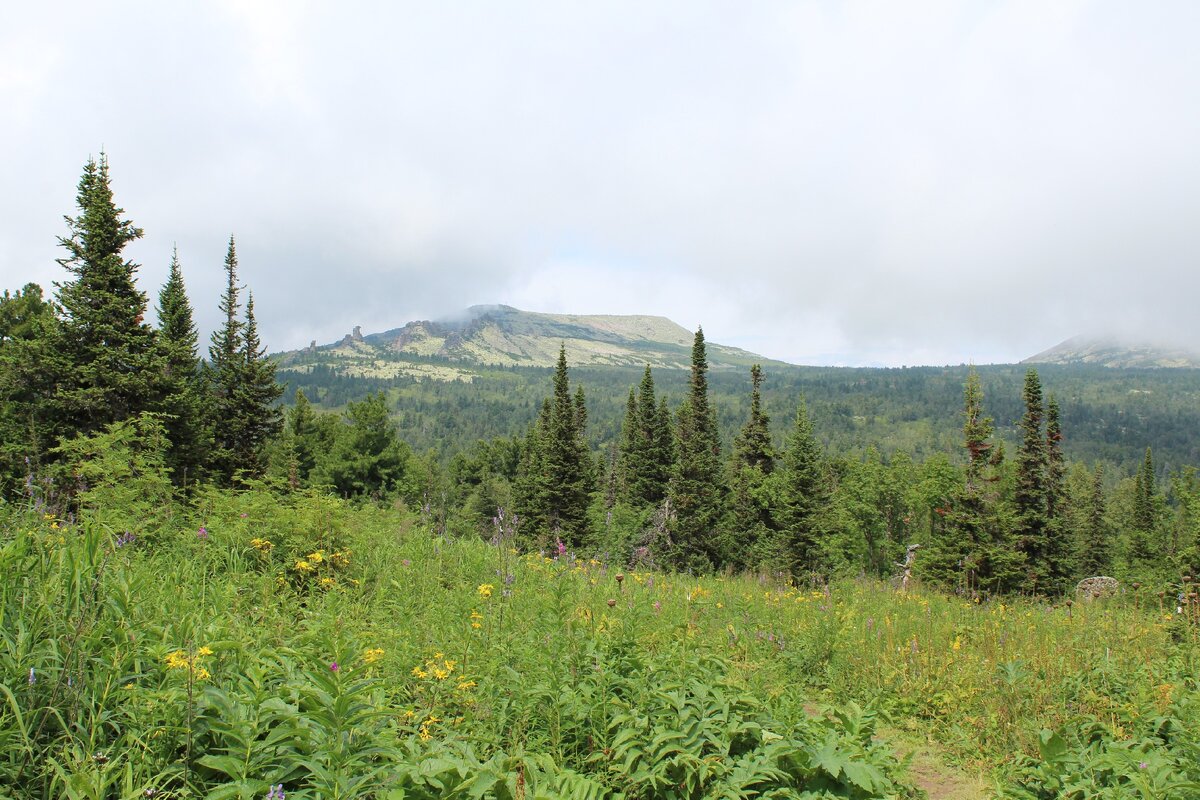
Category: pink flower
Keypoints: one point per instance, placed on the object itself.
(202, 533)
(334, 667)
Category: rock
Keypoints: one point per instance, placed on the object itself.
(1096, 587)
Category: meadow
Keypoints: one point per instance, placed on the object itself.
(256, 644)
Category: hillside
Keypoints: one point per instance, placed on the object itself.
(1116, 354)
(502, 336)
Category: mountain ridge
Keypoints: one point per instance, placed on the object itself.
(453, 348)
(1116, 354)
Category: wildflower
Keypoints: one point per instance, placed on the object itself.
(125, 538)
(611, 602)
(956, 644)
(261, 545)
(202, 533)
(243, 515)
(328, 583)
(340, 559)
(1142, 765)
(276, 792)
(317, 557)
(465, 685)
(417, 672)
(303, 566)
(334, 667)
(485, 590)
(407, 562)
(32, 679)
(372, 655)
(204, 651)
(657, 605)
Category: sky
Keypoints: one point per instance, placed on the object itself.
(850, 183)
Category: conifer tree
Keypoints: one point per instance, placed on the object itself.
(29, 365)
(749, 525)
(257, 395)
(178, 341)
(1095, 552)
(110, 361)
(752, 447)
(697, 493)
(647, 451)
(242, 386)
(1033, 531)
(803, 493)
(1141, 536)
(1058, 546)
(554, 481)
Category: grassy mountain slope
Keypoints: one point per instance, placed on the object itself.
(1117, 354)
(489, 336)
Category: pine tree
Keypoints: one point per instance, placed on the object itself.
(1141, 536)
(29, 364)
(257, 393)
(803, 493)
(1032, 526)
(554, 482)
(647, 450)
(1095, 552)
(749, 523)
(752, 447)
(242, 386)
(1057, 556)
(178, 341)
(224, 374)
(697, 493)
(368, 459)
(111, 370)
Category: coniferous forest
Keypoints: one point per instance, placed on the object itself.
(573, 583)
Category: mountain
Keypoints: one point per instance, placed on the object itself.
(502, 336)
(1114, 353)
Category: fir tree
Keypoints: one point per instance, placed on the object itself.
(257, 394)
(752, 447)
(696, 489)
(647, 449)
(555, 478)
(1141, 535)
(185, 426)
(29, 365)
(242, 385)
(749, 524)
(1095, 551)
(802, 493)
(1057, 555)
(369, 459)
(111, 371)
(1033, 528)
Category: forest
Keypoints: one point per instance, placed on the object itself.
(207, 592)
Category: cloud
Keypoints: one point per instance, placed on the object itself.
(864, 183)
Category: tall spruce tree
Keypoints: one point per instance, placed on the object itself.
(697, 491)
(178, 341)
(1033, 530)
(224, 372)
(752, 447)
(554, 481)
(243, 390)
(1095, 550)
(109, 358)
(647, 450)
(749, 525)
(1058, 554)
(1141, 548)
(802, 495)
(257, 398)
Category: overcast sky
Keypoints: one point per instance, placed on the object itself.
(820, 182)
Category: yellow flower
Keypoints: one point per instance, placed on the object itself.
(476, 625)
(204, 651)
(485, 590)
(441, 673)
(303, 566)
(317, 557)
(956, 644)
(476, 615)
(372, 655)
(465, 685)
(328, 583)
(178, 660)
(261, 545)
(419, 673)
(340, 559)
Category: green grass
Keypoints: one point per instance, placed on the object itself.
(194, 664)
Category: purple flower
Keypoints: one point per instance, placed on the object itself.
(243, 515)
(202, 533)
(125, 538)
(559, 547)
(334, 667)
(406, 562)
(1143, 765)
(276, 792)
(657, 606)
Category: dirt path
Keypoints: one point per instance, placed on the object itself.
(929, 770)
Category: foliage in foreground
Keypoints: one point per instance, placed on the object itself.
(255, 640)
